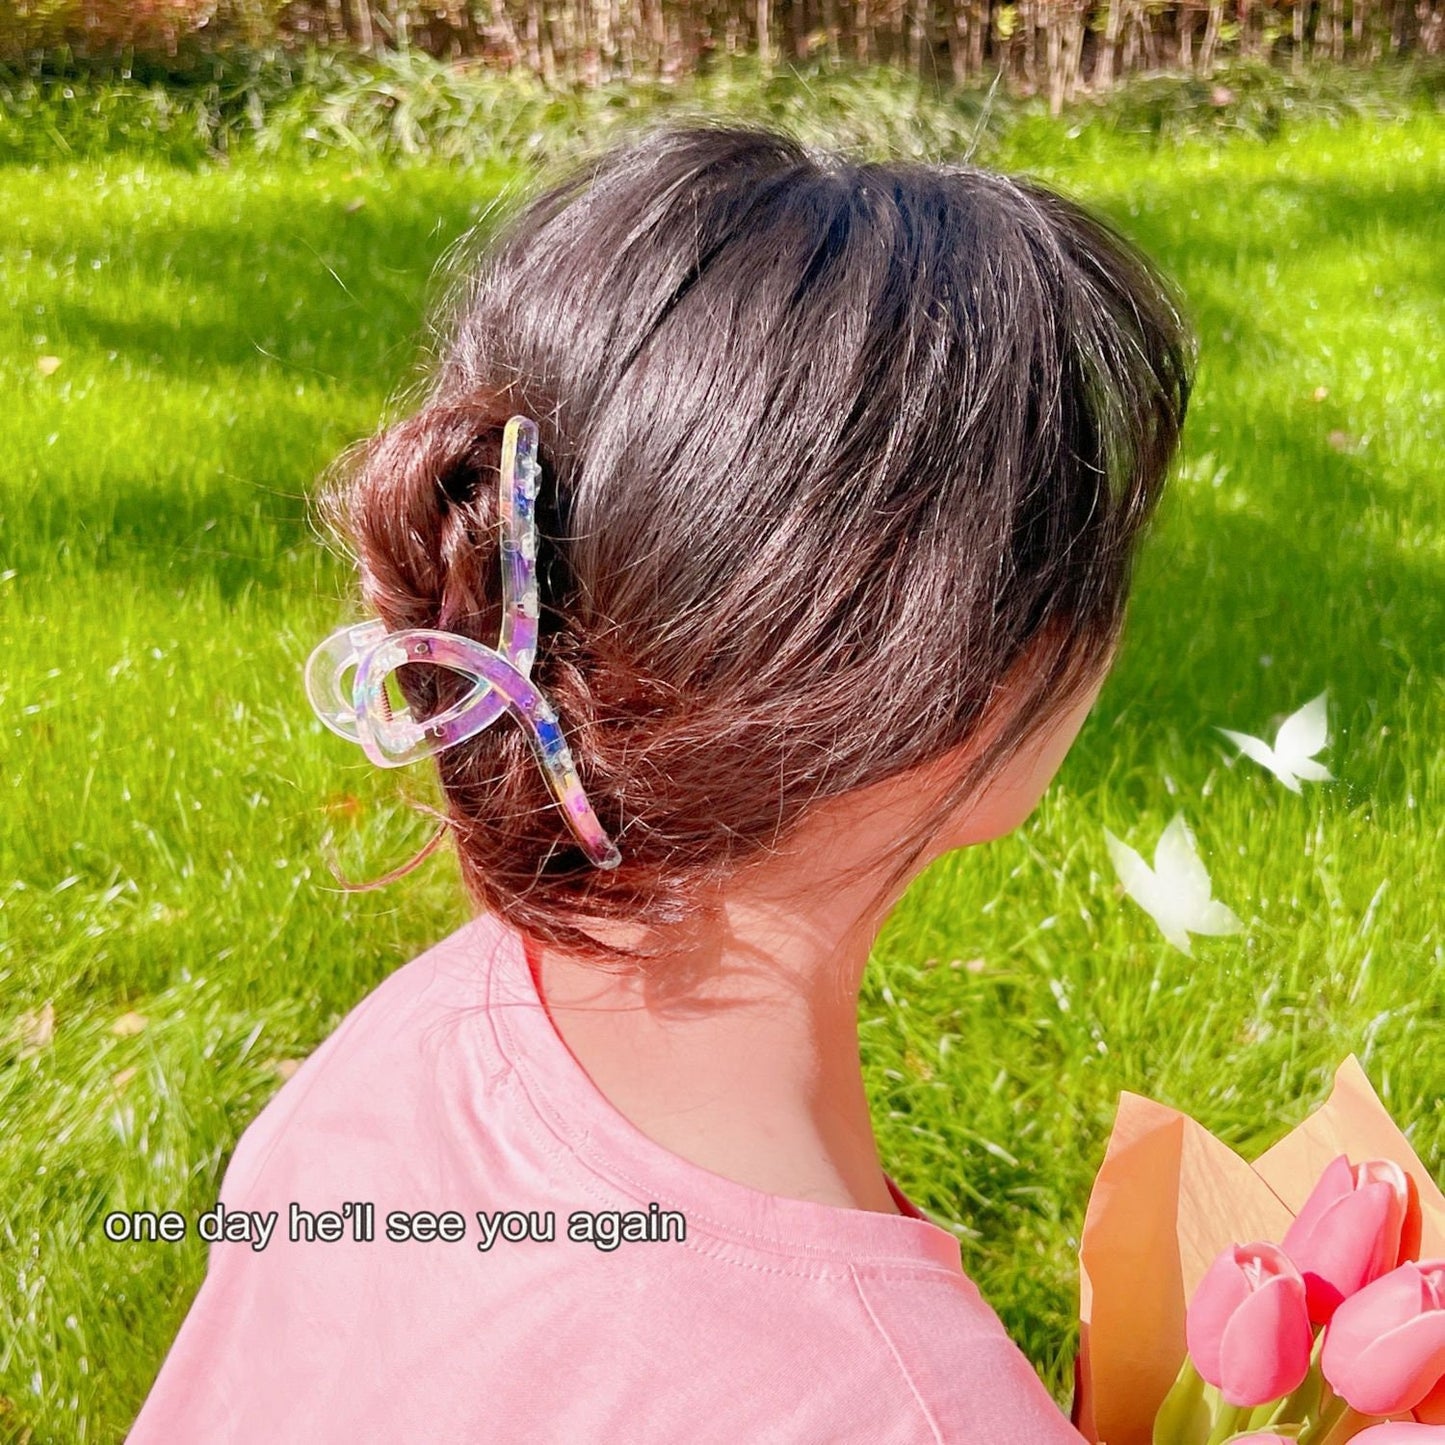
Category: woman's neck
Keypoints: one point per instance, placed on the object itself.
(754, 1082)
(741, 1053)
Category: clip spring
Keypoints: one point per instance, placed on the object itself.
(502, 674)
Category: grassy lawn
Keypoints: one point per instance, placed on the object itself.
(170, 933)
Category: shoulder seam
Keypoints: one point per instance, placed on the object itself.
(897, 1358)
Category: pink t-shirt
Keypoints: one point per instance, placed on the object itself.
(449, 1089)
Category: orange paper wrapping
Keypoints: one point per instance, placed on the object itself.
(1169, 1197)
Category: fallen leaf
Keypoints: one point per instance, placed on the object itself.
(971, 965)
(35, 1029)
(284, 1068)
(1342, 441)
(129, 1023)
(1319, 393)
(122, 1077)
(47, 365)
(353, 206)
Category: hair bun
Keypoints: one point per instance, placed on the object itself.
(416, 507)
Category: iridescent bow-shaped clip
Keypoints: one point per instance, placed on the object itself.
(392, 738)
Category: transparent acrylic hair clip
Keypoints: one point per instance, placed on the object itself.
(390, 736)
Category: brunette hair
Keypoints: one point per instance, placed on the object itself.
(827, 447)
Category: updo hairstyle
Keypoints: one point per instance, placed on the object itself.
(827, 446)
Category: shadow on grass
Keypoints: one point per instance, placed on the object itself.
(1280, 564)
(315, 291)
(314, 297)
(1323, 213)
(238, 536)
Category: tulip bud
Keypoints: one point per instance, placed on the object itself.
(1384, 1350)
(1358, 1223)
(1248, 1327)
(1432, 1408)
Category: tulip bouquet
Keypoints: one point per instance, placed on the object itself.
(1327, 1324)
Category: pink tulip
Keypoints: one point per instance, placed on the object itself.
(1402, 1433)
(1432, 1408)
(1358, 1223)
(1385, 1348)
(1248, 1325)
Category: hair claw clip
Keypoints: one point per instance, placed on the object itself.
(391, 738)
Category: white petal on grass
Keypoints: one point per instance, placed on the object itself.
(1175, 891)
(1301, 735)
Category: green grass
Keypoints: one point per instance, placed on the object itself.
(222, 332)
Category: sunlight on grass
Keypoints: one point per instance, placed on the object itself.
(184, 352)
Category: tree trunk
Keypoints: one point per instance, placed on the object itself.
(1211, 36)
(602, 39)
(1358, 11)
(361, 18)
(1053, 62)
(549, 56)
(979, 18)
(959, 44)
(567, 31)
(830, 28)
(1074, 48)
(1130, 23)
(1028, 35)
(1147, 36)
(917, 34)
(1108, 47)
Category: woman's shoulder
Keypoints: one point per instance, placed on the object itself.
(363, 1080)
(409, 1100)
(965, 1370)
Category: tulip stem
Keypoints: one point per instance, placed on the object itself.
(1232, 1419)
(1183, 1417)
(1333, 1409)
